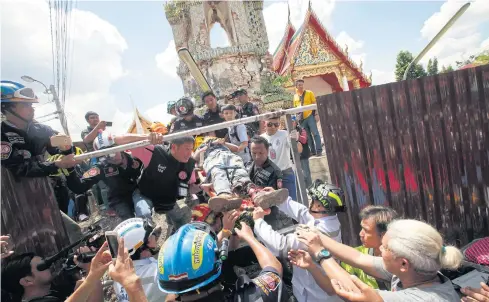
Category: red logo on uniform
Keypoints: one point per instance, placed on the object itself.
(93, 172)
(182, 175)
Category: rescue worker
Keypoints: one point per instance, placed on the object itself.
(140, 241)
(166, 179)
(24, 143)
(186, 119)
(120, 171)
(326, 201)
(248, 109)
(189, 267)
(213, 114)
(264, 173)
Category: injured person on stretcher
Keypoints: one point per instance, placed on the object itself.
(229, 182)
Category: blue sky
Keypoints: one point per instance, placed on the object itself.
(123, 48)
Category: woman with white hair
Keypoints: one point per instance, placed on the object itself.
(412, 255)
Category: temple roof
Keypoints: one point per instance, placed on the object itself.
(297, 47)
(139, 123)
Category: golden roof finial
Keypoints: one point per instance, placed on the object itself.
(310, 6)
(370, 77)
(361, 64)
(346, 49)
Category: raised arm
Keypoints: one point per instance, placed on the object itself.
(340, 251)
(264, 255)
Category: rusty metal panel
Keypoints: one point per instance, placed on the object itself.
(376, 178)
(407, 155)
(31, 215)
(420, 146)
(333, 134)
(453, 154)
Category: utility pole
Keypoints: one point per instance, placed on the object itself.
(59, 109)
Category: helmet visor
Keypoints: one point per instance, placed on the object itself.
(23, 93)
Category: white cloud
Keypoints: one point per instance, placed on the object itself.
(276, 17)
(167, 61)
(355, 47)
(159, 114)
(463, 38)
(382, 77)
(95, 64)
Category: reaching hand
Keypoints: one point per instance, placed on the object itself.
(4, 247)
(229, 219)
(155, 138)
(67, 161)
(258, 213)
(101, 125)
(300, 259)
(476, 294)
(245, 233)
(311, 240)
(363, 293)
(123, 271)
(100, 263)
(294, 135)
(220, 141)
(208, 188)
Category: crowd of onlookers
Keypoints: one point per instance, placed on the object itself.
(196, 212)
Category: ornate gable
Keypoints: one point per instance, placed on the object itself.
(313, 50)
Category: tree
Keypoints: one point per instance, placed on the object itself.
(432, 66)
(404, 57)
(446, 69)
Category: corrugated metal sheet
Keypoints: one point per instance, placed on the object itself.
(31, 215)
(420, 146)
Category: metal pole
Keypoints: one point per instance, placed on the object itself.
(301, 184)
(196, 131)
(60, 109)
(437, 37)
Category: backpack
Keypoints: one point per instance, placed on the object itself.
(249, 132)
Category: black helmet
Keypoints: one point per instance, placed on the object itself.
(330, 196)
(184, 107)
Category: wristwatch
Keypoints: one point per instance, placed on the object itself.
(322, 255)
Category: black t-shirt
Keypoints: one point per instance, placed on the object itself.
(212, 118)
(266, 287)
(121, 181)
(51, 297)
(165, 179)
(181, 124)
(269, 175)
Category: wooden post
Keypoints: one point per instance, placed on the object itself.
(300, 180)
(30, 214)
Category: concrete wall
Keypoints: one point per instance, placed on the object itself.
(315, 84)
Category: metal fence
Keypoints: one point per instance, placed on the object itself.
(420, 146)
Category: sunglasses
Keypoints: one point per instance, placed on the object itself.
(273, 124)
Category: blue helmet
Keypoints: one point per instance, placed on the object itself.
(13, 92)
(189, 259)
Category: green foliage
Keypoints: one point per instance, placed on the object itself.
(404, 57)
(446, 69)
(271, 89)
(432, 67)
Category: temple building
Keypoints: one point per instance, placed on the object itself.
(311, 53)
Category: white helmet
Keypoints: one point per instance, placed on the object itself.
(135, 232)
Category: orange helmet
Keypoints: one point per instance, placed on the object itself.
(203, 213)
(158, 128)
